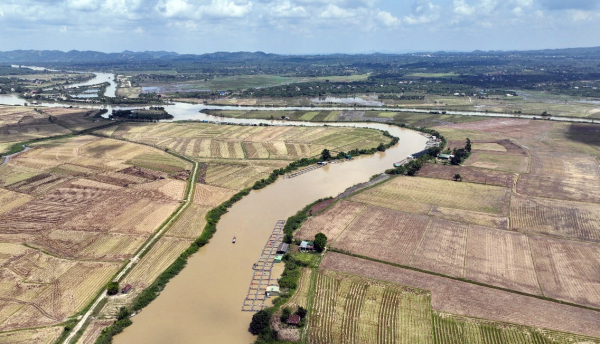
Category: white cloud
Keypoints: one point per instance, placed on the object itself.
(83, 5)
(423, 12)
(388, 19)
(462, 8)
(289, 10)
(333, 11)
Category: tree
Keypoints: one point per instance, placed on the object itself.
(260, 321)
(457, 177)
(325, 154)
(381, 147)
(468, 145)
(285, 314)
(320, 242)
(301, 312)
(112, 288)
(123, 313)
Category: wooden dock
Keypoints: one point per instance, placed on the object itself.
(303, 171)
(261, 279)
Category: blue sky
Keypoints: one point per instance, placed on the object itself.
(298, 26)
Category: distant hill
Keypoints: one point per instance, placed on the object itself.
(76, 56)
(56, 56)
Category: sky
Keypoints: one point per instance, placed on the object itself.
(298, 26)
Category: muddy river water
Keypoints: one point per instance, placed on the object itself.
(203, 303)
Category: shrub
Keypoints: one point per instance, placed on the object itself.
(112, 288)
(260, 321)
(320, 242)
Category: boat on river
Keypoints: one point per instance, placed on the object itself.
(233, 241)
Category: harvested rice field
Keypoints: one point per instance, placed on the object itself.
(205, 141)
(471, 300)
(46, 335)
(418, 194)
(72, 211)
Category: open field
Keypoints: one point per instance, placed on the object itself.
(452, 329)
(568, 270)
(468, 174)
(300, 297)
(73, 210)
(415, 194)
(203, 140)
(46, 335)
(352, 309)
(461, 298)
(93, 331)
(332, 222)
(563, 176)
(556, 217)
(224, 83)
(191, 223)
(160, 256)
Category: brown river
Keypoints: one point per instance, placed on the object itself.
(203, 303)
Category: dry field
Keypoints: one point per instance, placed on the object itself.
(47, 335)
(332, 222)
(563, 176)
(556, 217)
(93, 331)
(568, 270)
(352, 309)
(418, 195)
(211, 196)
(461, 298)
(240, 174)
(206, 141)
(157, 260)
(452, 329)
(82, 208)
(191, 223)
(19, 123)
(468, 174)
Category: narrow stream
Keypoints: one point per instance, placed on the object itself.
(203, 303)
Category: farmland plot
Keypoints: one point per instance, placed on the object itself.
(94, 330)
(450, 329)
(442, 248)
(563, 176)
(384, 234)
(568, 270)
(191, 223)
(47, 335)
(10, 200)
(353, 309)
(500, 258)
(418, 194)
(465, 216)
(462, 298)
(332, 222)
(211, 196)
(160, 256)
(300, 297)
(468, 174)
(560, 218)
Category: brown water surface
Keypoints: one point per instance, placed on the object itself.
(203, 303)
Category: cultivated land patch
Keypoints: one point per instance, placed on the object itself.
(468, 174)
(80, 217)
(568, 270)
(415, 194)
(556, 217)
(45, 335)
(564, 176)
(500, 258)
(332, 221)
(467, 299)
(202, 140)
(353, 309)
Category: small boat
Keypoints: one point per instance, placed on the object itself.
(233, 241)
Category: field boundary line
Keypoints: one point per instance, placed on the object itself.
(464, 265)
(544, 298)
(311, 298)
(351, 222)
(534, 266)
(420, 240)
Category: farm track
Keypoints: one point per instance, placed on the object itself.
(149, 243)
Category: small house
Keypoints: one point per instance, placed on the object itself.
(278, 258)
(294, 319)
(446, 156)
(126, 289)
(307, 246)
(272, 290)
(283, 248)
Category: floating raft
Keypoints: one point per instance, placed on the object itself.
(302, 171)
(261, 279)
